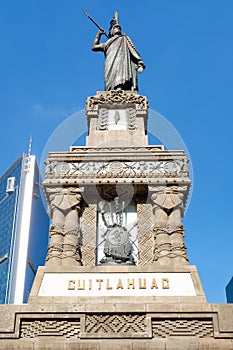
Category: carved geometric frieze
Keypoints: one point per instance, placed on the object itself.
(201, 328)
(145, 234)
(135, 149)
(66, 328)
(142, 168)
(113, 325)
(31, 328)
(88, 234)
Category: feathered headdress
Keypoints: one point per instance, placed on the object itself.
(113, 22)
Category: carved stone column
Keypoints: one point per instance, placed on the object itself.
(167, 202)
(64, 246)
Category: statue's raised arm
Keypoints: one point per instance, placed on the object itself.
(122, 60)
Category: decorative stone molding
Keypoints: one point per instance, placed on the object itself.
(108, 325)
(113, 325)
(84, 149)
(103, 119)
(168, 207)
(146, 168)
(30, 326)
(172, 327)
(88, 235)
(64, 246)
(145, 234)
(168, 246)
(131, 113)
(116, 97)
(61, 328)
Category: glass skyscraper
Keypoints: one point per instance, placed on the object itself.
(23, 229)
(229, 291)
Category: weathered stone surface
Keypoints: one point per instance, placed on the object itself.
(225, 318)
(7, 316)
(88, 229)
(91, 345)
(116, 345)
(64, 313)
(126, 273)
(164, 323)
(215, 344)
(181, 344)
(49, 345)
(148, 345)
(17, 345)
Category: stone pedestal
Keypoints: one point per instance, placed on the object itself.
(117, 274)
(100, 323)
(110, 284)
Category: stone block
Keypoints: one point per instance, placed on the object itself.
(116, 299)
(116, 345)
(100, 308)
(186, 343)
(215, 344)
(40, 300)
(79, 308)
(225, 317)
(49, 344)
(149, 345)
(162, 307)
(195, 307)
(140, 300)
(80, 345)
(91, 300)
(38, 307)
(16, 345)
(7, 317)
(130, 307)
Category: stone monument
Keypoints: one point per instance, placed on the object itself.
(117, 273)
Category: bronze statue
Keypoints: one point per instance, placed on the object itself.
(122, 61)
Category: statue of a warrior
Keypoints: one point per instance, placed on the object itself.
(122, 61)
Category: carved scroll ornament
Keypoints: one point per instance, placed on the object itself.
(116, 97)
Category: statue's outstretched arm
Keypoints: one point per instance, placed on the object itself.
(96, 46)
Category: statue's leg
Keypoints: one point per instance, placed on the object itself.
(71, 245)
(162, 242)
(177, 233)
(54, 256)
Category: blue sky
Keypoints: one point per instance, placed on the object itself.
(47, 71)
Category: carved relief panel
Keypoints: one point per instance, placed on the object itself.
(117, 119)
(117, 241)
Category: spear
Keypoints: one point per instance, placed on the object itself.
(93, 21)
